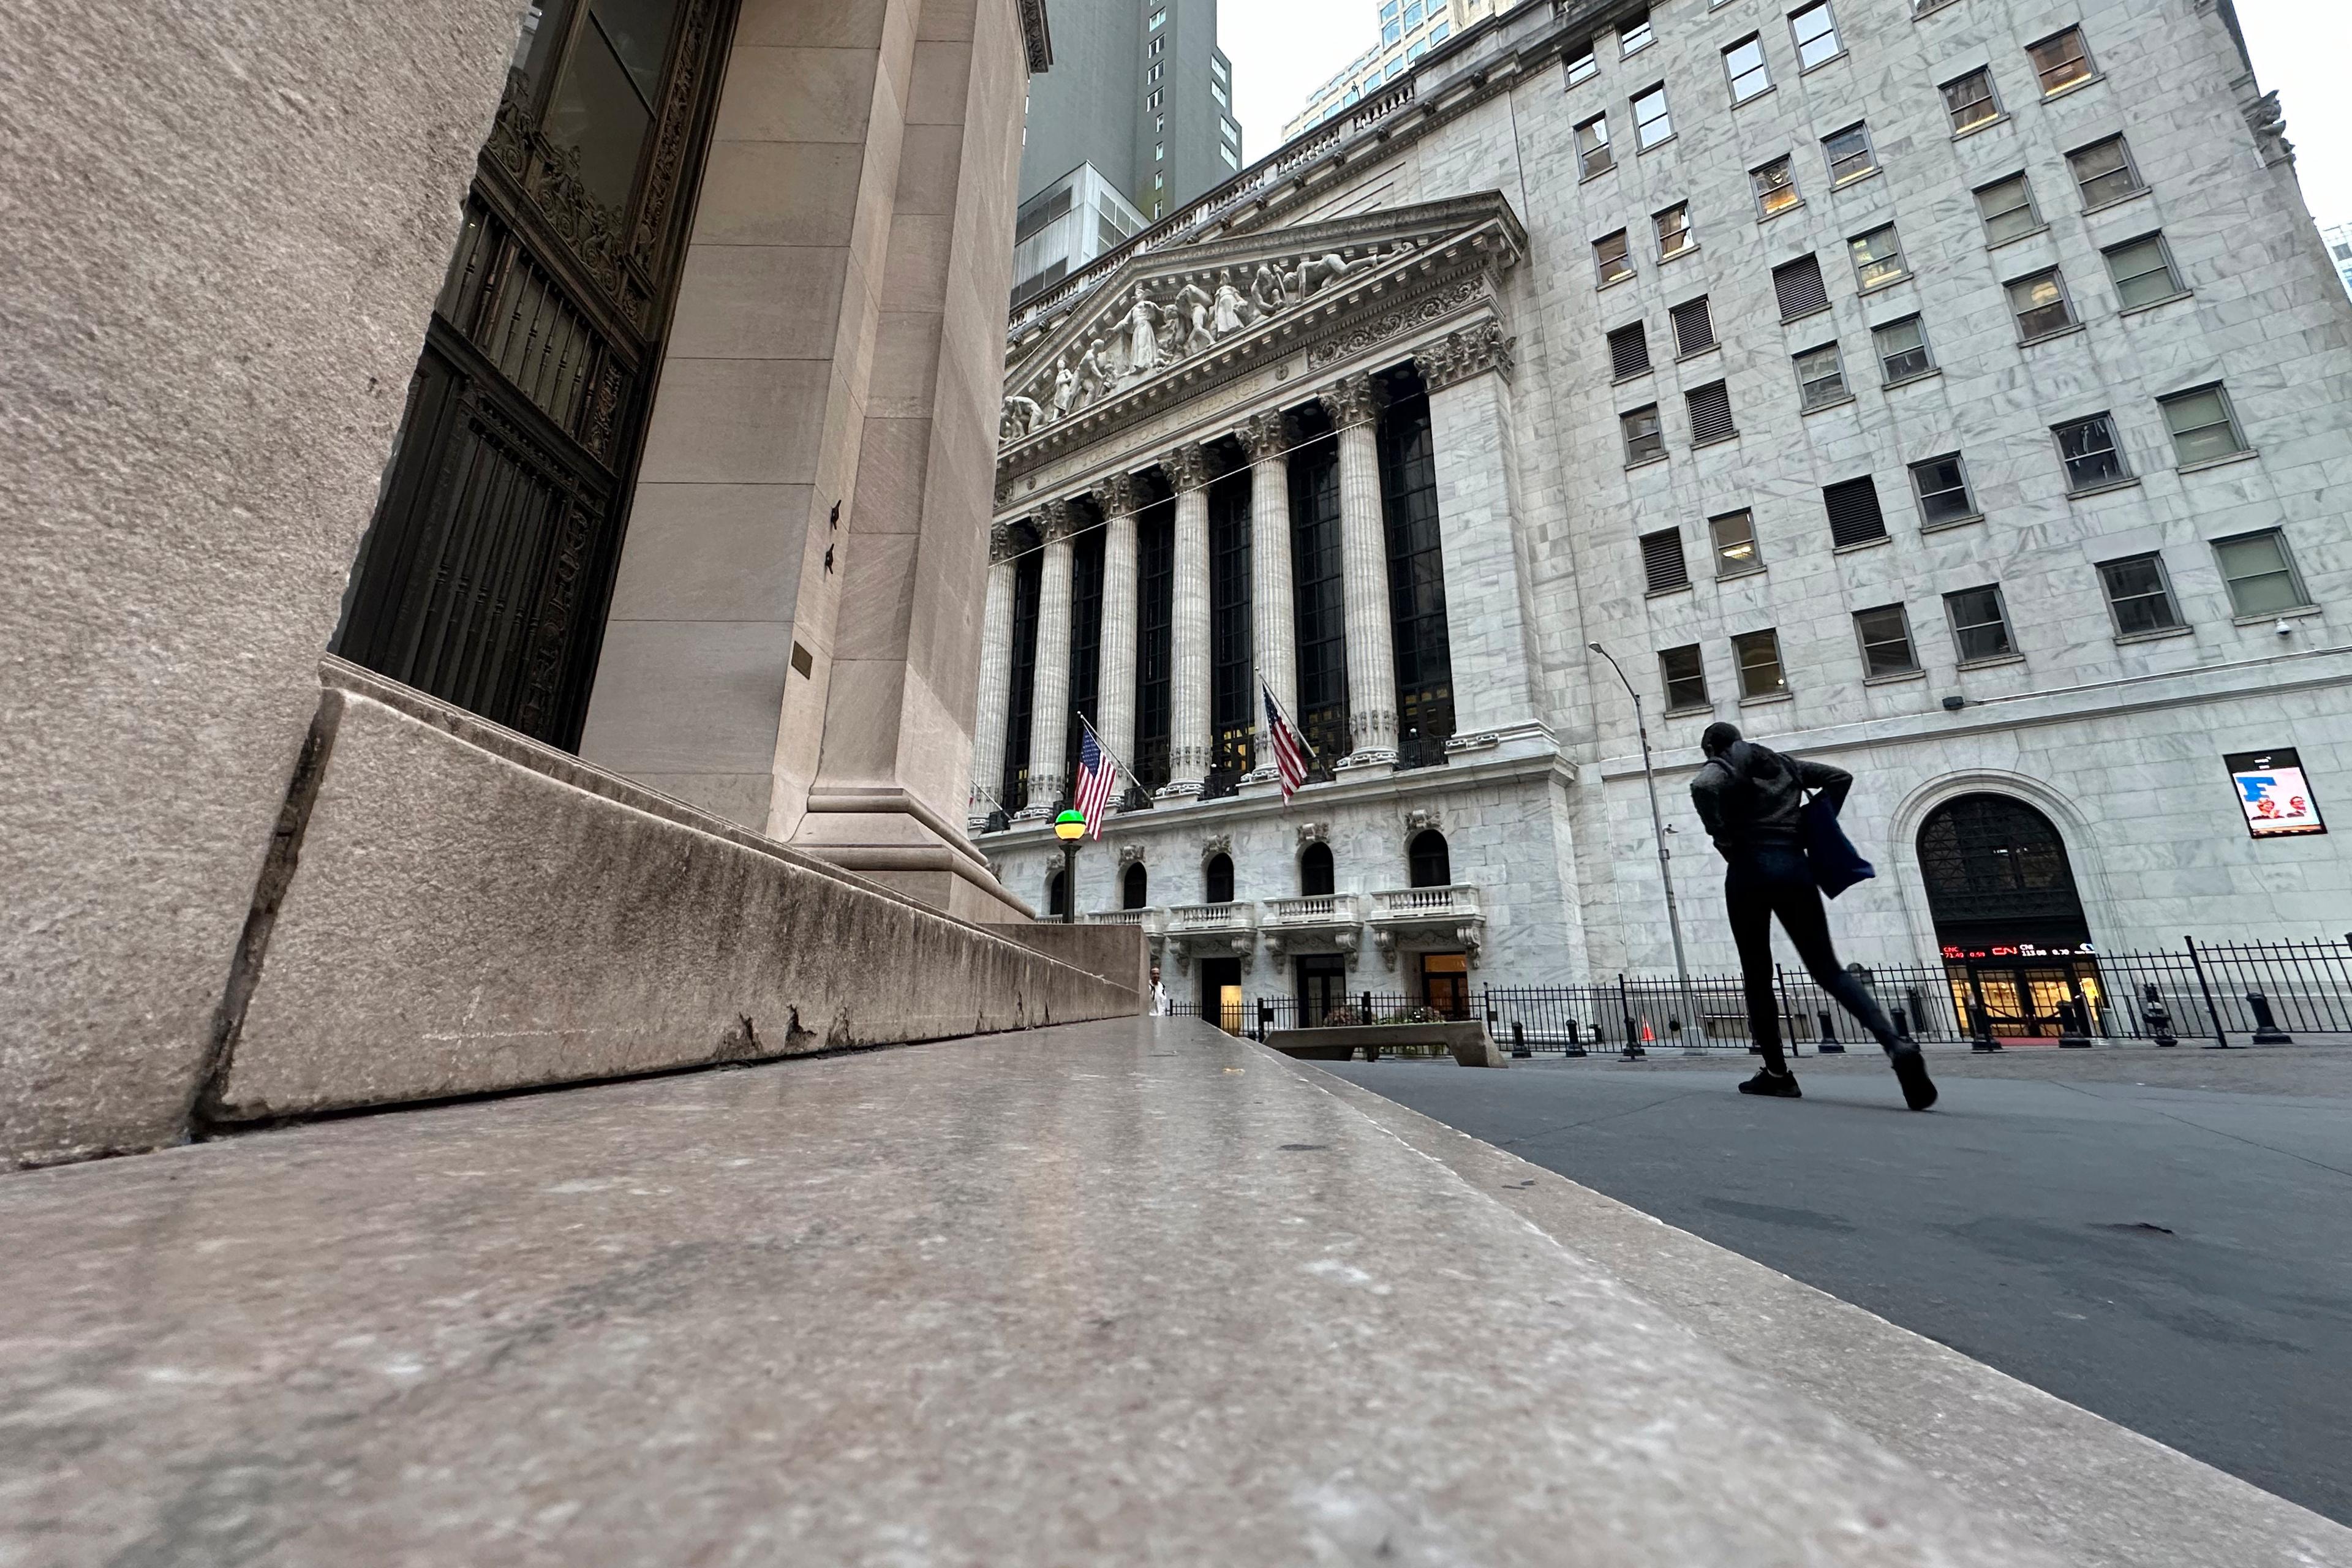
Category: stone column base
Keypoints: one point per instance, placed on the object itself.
(1371, 763)
(886, 835)
(1179, 789)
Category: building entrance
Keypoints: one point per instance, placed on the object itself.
(485, 577)
(1322, 987)
(2008, 919)
(1446, 984)
(1221, 993)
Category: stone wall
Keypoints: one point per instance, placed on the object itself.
(465, 910)
(226, 226)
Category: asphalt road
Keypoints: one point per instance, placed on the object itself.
(2176, 1258)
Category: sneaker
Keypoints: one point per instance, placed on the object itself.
(1776, 1085)
(1911, 1071)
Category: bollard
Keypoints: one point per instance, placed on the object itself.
(1575, 1040)
(1831, 1045)
(2159, 1017)
(1902, 1025)
(1633, 1051)
(1980, 1029)
(2266, 1029)
(1519, 1040)
(1264, 1018)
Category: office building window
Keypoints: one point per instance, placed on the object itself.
(2040, 305)
(1582, 68)
(1592, 154)
(1885, 634)
(2143, 272)
(1710, 413)
(1733, 535)
(1970, 102)
(1855, 517)
(2260, 573)
(1661, 561)
(2203, 425)
(1643, 438)
(1878, 258)
(1942, 486)
(1850, 154)
(1776, 187)
(1629, 350)
(1683, 672)
(1757, 654)
(1635, 35)
(1743, 63)
(1979, 625)
(1155, 72)
(1158, 18)
(2007, 208)
(1674, 229)
(1693, 326)
(2140, 595)
(1821, 377)
(1612, 257)
(2093, 457)
(1799, 288)
(1815, 31)
(1651, 125)
(2105, 173)
(1233, 159)
(2062, 60)
(1902, 349)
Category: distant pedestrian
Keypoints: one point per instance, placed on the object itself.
(1752, 800)
(1159, 994)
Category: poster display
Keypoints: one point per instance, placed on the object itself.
(2274, 794)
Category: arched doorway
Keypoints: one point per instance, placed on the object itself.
(2008, 918)
(1134, 888)
(1057, 895)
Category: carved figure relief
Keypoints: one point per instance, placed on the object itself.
(1143, 336)
(1022, 417)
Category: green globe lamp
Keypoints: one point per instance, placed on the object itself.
(1069, 827)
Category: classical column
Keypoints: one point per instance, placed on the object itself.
(1273, 640)
(1355, 405)
(1489, 599)
(1188, 688)
(1049, 703)
(1114, 714)
(996, 680)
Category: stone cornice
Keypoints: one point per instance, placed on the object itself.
(1474, 351)
(1036, 34)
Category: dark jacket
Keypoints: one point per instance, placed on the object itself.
(1752, 794)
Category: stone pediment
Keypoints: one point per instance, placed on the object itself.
(1169, 324)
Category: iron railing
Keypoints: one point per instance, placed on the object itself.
(2231, 993)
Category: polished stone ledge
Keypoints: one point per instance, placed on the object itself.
(1124, 1292)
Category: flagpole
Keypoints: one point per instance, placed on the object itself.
(1275, 702)
(1117, 760)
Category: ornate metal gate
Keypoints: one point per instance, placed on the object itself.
(485, 577)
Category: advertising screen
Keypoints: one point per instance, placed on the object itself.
(2274, 793)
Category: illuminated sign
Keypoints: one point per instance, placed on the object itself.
(2016, 950)
(2275, 797)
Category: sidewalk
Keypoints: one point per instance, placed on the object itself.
(1113, 1293)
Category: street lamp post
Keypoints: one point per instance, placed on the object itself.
(1069, 827)
(1665, 856)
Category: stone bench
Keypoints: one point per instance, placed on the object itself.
(1469, 1044)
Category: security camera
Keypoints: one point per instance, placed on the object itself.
(2286, 627)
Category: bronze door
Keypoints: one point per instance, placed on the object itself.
(485, 576)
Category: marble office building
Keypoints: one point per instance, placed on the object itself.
(1948, 391)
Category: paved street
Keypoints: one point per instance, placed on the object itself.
(2162, 1237)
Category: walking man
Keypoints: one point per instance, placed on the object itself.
(1752, 800)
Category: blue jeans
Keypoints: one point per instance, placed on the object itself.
(1770, 879)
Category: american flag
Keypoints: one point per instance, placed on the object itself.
(1096, 773)
(1289, 750)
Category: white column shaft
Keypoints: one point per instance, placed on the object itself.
(995, 694)
(1188, 695)
(1372, 636)
(1272, 620)
(1114, 687)
(1049, 705)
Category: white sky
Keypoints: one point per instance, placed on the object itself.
(1283, 50)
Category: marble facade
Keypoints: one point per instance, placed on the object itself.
(1443, 239)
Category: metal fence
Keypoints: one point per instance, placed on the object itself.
(2226, 994)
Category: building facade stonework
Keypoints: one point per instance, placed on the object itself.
(1948, 391)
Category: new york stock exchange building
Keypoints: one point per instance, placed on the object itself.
(1891, 380)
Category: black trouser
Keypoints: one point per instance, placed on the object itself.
(1773, 879)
